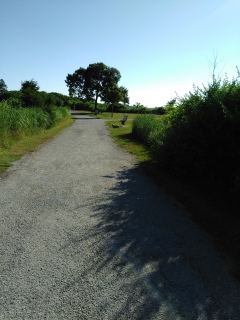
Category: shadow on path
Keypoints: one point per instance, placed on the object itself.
(85, 118)
(177, 270)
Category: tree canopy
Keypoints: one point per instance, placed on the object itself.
(97, 81)
(30, 94)
(3, 86)
(29, 85)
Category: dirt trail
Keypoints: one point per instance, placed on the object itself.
(85, 235)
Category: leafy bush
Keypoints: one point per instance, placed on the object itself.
(204, 133)
(200, 137)
(6, 95)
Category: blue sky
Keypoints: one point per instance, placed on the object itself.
(160, 47)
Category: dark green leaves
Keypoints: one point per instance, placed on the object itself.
(97, 81)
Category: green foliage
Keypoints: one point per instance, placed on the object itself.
(14, 102)
(16, 122)
(139, 109)
(29, 85)
(3, 86)
(159, 110)
(29, 111)
(57, 114)
(200, 137)
(97, 81)
(5, 95)
(172, 102)
(147, 128)
(75, 83)
(31, 98)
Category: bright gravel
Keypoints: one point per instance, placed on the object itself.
(85, 235)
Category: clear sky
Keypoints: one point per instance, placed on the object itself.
(160, 47)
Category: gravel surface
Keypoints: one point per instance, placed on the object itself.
(85, 235)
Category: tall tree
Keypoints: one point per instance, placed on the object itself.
(115, 94)
(98, 78)
(124, 95)
(75, 83)
(94, 82)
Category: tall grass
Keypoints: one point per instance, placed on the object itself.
(145, 127)
(15, 123)
(200, 138)
(57, 114)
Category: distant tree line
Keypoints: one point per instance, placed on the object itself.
(28, 111)
(86, 87)
(29, 96)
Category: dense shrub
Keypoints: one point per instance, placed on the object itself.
(6, 95)
(200, 137)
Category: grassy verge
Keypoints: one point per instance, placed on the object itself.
(123, 136)
(204, 205)
(29, 144)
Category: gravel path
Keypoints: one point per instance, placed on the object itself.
(85, 235)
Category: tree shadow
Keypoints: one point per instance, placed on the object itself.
(147, 259)
(85, 118)
(84, 115)
(167, 266)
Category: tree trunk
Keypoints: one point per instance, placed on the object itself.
(96, 98)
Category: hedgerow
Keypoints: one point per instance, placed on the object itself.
(200, 137)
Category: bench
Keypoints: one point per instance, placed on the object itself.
(123, 120)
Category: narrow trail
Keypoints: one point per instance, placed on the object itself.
(85, 235)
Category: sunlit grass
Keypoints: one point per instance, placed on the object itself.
(123, 135)
(28, 144)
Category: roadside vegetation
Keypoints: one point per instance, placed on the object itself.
(27, 118)
(17, 123)
(196, 156)
(190, 147)
(199, 138)
(29, 143)
(192, 151)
